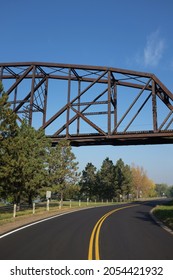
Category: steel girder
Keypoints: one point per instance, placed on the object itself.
(90, 105)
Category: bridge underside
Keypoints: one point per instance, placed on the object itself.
(90, 105)
(118, 139)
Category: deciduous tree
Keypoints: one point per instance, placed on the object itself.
(142, 185)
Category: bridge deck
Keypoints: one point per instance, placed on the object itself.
(138, 138)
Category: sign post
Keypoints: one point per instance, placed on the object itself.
(48, 196)
(14, 211)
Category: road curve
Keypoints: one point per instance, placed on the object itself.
(127, 234)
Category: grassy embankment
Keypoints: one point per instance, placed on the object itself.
(165, 214)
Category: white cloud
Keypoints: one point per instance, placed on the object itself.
(153, 51)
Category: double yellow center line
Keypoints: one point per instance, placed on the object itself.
(93, 252)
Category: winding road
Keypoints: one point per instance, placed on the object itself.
(117, 232)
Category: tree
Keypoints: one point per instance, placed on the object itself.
(105, 181)
(8, 118)
(148, 187)
(161, 189)
(73, 192)
(8, 129)
(169, 191)
(123, 179)
(142, 185)
(23, 170)
(137, 174)
(62, 168)
(88, 181)
(33, 155)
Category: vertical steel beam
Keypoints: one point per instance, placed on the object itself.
(154, 106)
(109, 102)
(131, 106)
(78, 118)
(1, 73)
(45, 101)
(32, 95)
(63, 109)
(68, 102)
(80, 112)
(115, 104)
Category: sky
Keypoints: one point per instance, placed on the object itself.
(134, 35)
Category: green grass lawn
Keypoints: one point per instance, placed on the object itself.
(165, 214)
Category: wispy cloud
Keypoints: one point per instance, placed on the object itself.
(153, 50)
(149, 54)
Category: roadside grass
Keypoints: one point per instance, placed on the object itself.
(165, 214)
(54, 208)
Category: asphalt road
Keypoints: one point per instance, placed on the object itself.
(126, 234)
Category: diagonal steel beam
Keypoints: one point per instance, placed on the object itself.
(89, 122)
(20, 79)
(29, 95)
(138, 112)
(163, 87)
(131, 106)
(61, 111)
(165, 120)
(76, 116)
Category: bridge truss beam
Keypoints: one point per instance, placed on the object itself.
(90, 105)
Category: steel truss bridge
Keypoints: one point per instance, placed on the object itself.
(90, 105)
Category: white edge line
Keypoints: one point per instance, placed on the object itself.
(40, 221)
(46, 219)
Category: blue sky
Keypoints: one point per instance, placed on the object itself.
(127, 34)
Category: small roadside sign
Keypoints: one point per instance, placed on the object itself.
(48, 194)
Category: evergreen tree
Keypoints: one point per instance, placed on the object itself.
(33, 157)
(23, 172)
(8, 123)
(123, 179)
(106, 177)
(8, 129)
(62, 168)
(88, 181)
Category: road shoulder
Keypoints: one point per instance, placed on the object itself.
(159, 222)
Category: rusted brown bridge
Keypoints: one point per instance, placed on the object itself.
(90, 105)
